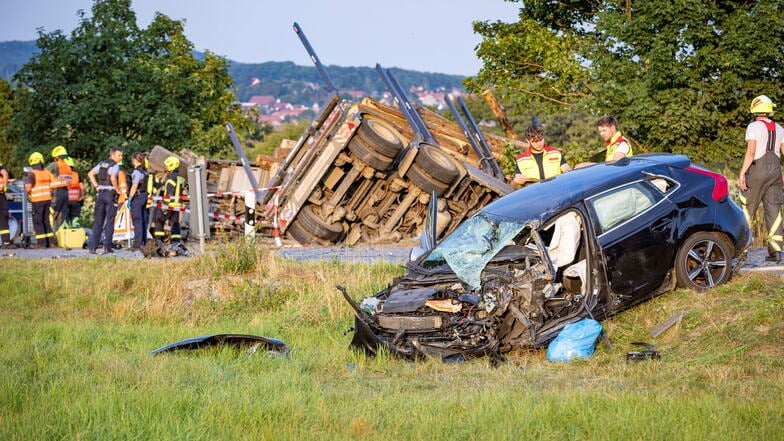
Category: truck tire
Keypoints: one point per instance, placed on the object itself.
(439, 165)
(311, 221)
(423, 180)
(380, 137)
(303, 236)
(364, 153)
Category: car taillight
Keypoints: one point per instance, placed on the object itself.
(720, 186)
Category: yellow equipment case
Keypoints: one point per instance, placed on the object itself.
(70, 237)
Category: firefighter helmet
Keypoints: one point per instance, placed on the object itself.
(762, 104)
(171, 163)
(59, 151)
(35, 158)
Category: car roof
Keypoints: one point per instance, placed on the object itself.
(544, 199)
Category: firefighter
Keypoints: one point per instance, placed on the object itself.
(760, 177)
(62, 170)
(172, 192)
(617, 146)
(103, 178)
(39, 186)
(138, 200)
(539, 161)
(75, 195)
(153, 186)
(5, 232)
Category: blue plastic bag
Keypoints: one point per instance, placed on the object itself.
(576, 340)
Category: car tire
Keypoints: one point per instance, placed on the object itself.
(423, 180)
(703, 261)
(364, 153)
(439, 165)
(310, 220)
(380, 137)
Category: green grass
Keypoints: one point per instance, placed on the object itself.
(75, 337)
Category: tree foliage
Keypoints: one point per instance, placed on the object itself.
(679, 75)
(112, 83)
(7, 134)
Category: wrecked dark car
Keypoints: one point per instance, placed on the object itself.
(588, 243)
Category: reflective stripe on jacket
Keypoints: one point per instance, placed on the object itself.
(551, 163)
(41, 190)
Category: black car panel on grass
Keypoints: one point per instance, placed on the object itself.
(588, 243)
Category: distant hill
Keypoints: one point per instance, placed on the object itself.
(283, 80)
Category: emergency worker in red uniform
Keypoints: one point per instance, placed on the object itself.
(539, 161)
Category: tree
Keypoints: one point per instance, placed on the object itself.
(678, 75)
(7, 134)
(112, 83)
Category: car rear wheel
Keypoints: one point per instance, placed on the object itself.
(703, 261)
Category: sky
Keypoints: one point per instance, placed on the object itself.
(423, 35)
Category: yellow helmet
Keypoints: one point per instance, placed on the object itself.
(171, 163)
(762, 104)
(35, 158)
(59, 151)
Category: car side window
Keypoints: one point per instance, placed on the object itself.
(621, 204)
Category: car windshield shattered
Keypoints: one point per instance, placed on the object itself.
(469, 248)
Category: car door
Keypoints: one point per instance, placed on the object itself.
(634, 224)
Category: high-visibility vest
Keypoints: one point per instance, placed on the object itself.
(41, 190)
(63, 174)
(75, 188)
(613, 144)
(122, 181)
(173, 189)
(551, 163)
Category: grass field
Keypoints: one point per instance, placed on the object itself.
(76, 335)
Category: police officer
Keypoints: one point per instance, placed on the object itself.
(539, 161)
(5, 233)
(760, 175)
(172, 193)
(39, 186)
(104, 179)
(138, 199)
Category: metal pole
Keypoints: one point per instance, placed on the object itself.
(250, 216)
(199, 220)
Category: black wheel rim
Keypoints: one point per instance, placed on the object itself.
(706, 264)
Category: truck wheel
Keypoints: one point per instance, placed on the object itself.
(423, 180)
(303, 236)
(311, 221)
(367, 155)
(439, 165)
(380, 137)
(703, 261)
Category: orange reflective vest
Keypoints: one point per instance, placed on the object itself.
(615, 141)
(75, 188)
(41, 190)
(63, 174)
(122, 181)
(551, 163)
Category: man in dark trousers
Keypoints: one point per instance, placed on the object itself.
(5, 232)
(39, 188)
(760, 175)
(104, 179)
(172, 194)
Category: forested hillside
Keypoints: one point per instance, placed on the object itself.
(283, 80)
